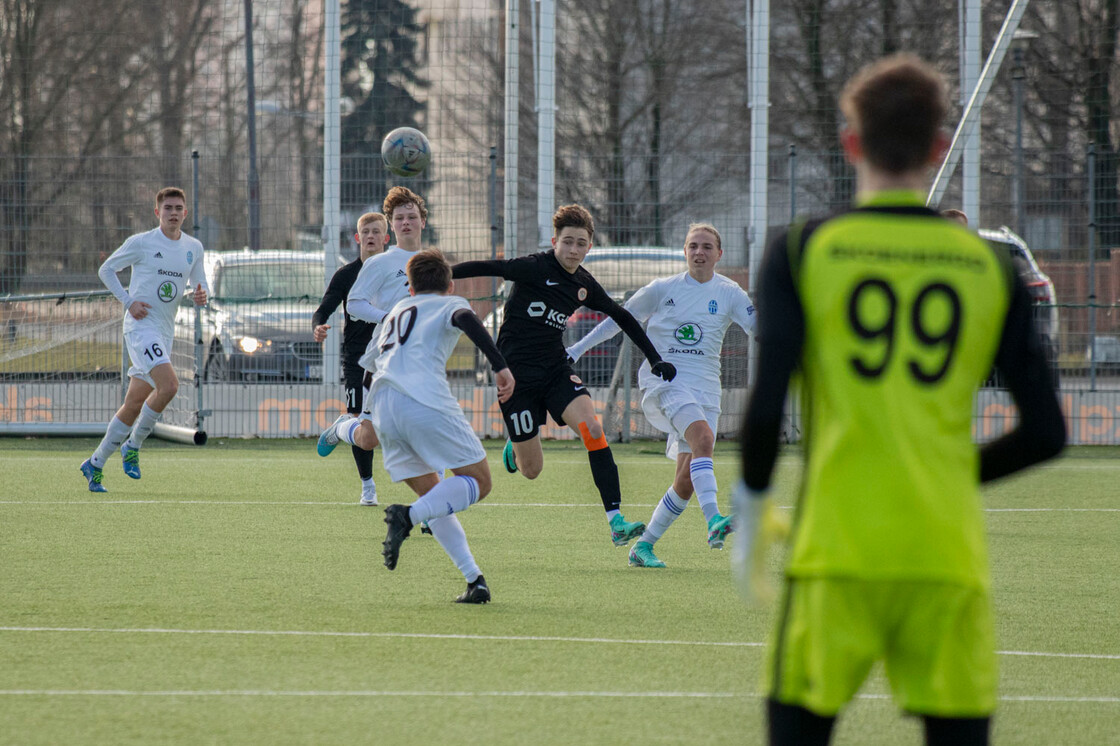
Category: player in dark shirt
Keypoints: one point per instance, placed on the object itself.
(372, 236)
(547, 288)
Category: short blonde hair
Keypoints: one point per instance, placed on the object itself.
(704, 227)
(373, 217)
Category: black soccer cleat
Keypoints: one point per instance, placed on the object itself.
(399, 528)
(476, 593)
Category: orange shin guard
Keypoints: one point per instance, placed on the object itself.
(592, 444)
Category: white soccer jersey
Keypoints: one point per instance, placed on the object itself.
(414, 341)
(686, 320)
(161, 270)
(380, 284)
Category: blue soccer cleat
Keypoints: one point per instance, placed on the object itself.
(641, 555)
(130, 458)
(93, 476)
(718, 529)
(622, 530)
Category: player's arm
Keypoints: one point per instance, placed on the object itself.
(641, 306)
(466, 321)
(125, 256)
(521, 269)
(198, 280)
(336, 292)
(1041, 432)
(358, 305)
(598, 300)
(742, 312)
(781, 334)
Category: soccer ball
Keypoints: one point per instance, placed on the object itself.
(406, 151)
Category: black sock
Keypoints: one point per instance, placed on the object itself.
(956, 731)
(364, 460)
(605, 473)
(791, 725)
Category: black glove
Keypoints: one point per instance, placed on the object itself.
(664, 370)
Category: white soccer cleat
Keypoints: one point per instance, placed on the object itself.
(369, 494)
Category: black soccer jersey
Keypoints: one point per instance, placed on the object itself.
(355, 334)
(544, 295)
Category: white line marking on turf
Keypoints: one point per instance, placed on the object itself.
(456, 694)
(482, 638)
(483, 504)
(421, 635)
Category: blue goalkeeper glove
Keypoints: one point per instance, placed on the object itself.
(759, 524)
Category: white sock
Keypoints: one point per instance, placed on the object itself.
(668, 510)
(144, 424)
(450, 535)
(704, 482)
(346, 429)
(115, 434)
(369, 483)
(449, 496)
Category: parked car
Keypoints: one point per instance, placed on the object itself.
(1104, 353)
(621, 271)
(1039, 285)
(257, 325)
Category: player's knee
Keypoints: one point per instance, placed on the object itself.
(530, 471)
(704, 442)
(169, 389)
(484, 484)
(592, 435)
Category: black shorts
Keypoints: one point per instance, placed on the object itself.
(352, 375)
(536, 395)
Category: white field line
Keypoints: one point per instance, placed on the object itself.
(483, 504)
(464, 694)
(481, 638)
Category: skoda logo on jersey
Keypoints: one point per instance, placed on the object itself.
(688, 334)
(713, 307)
(536, 308)
(167, 292)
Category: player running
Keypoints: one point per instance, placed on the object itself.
(547, 287)
(372, 235)
(163, 261)
(686, 317)
(421, 425)
(382, 282)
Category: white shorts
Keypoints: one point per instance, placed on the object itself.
(416, 439)
(146, 349)
(671, 407)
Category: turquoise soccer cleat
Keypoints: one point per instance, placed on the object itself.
(622, 531)
(641, 555)
(718, 529)
(328, 439)
(509, 458)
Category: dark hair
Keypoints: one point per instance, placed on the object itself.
(428, 272)
(400, 195)
(166, 192)
(573, 216)
(896, 106)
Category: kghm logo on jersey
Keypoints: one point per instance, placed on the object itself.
(688, 334)
(167, 292)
